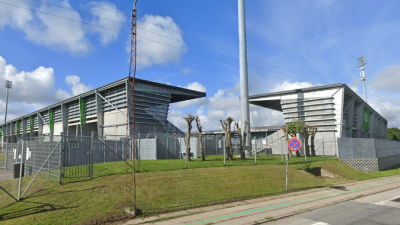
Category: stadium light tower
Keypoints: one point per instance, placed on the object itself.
(8, 86)
(244, 86)
(361, 64)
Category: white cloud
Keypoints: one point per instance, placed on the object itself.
(387, 79)
(74, 82)
(287, 85)
(111, 18)
(151, 52)
(32, 90)
(15, 17)
(222, 104)
(186, 70)
(46, 24)
(196, 86)
(58, 33)
(389, 110)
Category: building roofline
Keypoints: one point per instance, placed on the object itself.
(105, 87)
(315, 88)
(297, 90)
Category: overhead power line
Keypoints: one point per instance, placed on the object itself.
(80, 21)
(197, 39)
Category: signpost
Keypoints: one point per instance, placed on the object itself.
(294, 145)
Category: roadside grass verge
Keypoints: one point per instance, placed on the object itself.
(350, 173)
(163, 186)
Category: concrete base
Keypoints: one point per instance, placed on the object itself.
(364, 165)
(389, 161)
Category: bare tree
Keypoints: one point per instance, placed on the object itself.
(189, 119)
(292, 128)
(226, 126)
(313, 132)
(242, 139)
(285, 131)
(203, 157)
(306, 132)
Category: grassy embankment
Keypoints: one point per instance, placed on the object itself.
(166, 186)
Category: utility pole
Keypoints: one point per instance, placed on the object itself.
(361, 64)
(8, 86)
(244, 86)
(130, 153)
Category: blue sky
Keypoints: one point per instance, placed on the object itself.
(291, 44)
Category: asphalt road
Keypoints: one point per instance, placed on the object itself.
(381, 208)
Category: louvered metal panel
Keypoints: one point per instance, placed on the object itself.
(117, 97)
(90, 106)
(73, 110)
(57, 114)
(45, 116)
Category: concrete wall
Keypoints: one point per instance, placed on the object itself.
(164, 147)
(368, 154)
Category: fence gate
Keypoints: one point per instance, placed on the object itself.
(22, 162)
(76, 157)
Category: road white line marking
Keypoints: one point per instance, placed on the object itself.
(320, 223)
(386, 201)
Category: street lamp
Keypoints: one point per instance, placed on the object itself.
(8, 86)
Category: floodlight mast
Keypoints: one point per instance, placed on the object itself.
(361, 64)
(8, 86)
(244, 86)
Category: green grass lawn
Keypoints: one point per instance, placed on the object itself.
(164, 186)
(2, 157)
(214, 161)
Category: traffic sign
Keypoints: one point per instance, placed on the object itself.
(294, 144)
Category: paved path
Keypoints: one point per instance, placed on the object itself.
(381, 208)
(262, 210)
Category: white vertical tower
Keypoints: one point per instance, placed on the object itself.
(8, 86)
(361, 64)
(244, 86)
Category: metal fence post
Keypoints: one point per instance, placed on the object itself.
(138, 152)
(147, 146)
(60, 159)
(20, 170)
(91, 155)
(48, 162)
(166, 147)
(216, 146)
(280, 141)
(34, 154)
(156, 151)
(104, 148)
(287, 169)
(5, 167)
(255, 152)
(323, 149)
(224, 154)
(180, 144)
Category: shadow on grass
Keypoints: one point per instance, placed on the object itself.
(39, 208)
(61, 192)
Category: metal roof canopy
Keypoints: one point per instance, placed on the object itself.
(177, 93)
(273, 100)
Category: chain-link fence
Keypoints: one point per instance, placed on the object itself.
(55, 157)
(23, 161)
